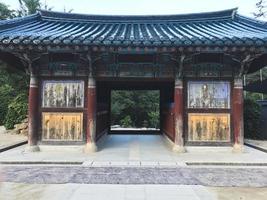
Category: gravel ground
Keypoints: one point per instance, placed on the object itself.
(235, 177)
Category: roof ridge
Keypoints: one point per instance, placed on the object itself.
(54, 15)
(19, 19)
(252, 20)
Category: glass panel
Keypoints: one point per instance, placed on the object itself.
(208, 94)
(63, 94)
(62, 126)
(209, 127)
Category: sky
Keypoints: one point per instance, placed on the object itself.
(145, 7)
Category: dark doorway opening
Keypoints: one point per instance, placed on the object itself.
(135, 111)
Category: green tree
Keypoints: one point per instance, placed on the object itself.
(17, 111)
(260, 9)
(252, 114)
(141, 107)
(126, 121)
(6, 95)
(28, 7)
(13, 83)
(5, 12)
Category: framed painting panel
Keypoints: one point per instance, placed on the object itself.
(62, 94)
(208, 127)
(208, 95)
(62, 126)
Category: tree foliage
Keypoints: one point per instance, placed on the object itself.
(260, 9)
(17, 110)
(252, 114)
(28, 7)
(135, 108)
(13, 83)
(5, 12)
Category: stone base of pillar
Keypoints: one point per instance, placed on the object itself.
(238, 148)
(90, 148)
(34, 148)
(178, 149)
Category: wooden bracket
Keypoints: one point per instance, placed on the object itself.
(181, 66)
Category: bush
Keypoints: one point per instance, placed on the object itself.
(153, 119)
(6, 95)
(17, 111)
(252, 114)
(126, 121)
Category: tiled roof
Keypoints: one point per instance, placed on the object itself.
(222, 28)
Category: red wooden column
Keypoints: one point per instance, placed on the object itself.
(238, 122)
(178, 116)
(91, 116)
(33, 115)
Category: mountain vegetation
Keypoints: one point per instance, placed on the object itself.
(136, 108)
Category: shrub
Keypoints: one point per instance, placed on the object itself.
(6, 95)
(252, 114)
(126, 121)
(153, 119)
(17, 111)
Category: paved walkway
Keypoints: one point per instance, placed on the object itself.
(12, 191)
(262, 144)
(10, 139)
(133, 167)
(142, 150)
(18, 191)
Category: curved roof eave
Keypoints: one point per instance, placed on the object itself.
(124, 18)
(221, 28)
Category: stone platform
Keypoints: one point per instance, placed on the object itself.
(137, 150)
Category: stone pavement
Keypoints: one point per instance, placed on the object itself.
(18, 191)
(223, 177)
(142, 150)
(133, 167)
(11, 191)
(7, 140)
(262, 144)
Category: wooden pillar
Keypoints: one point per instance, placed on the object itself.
(178, 116)
(91, 116)
(33, 115)
(238, 122)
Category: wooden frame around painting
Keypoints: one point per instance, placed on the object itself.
(208, 111)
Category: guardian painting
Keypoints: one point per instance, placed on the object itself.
(62, 126)
(209, 94)
(209, 127)
(63, 94)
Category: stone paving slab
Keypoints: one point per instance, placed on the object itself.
(7, 140)
(135, 150)
(246, 177)
(17, 191)
(260, 144)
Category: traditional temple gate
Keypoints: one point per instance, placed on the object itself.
(197, 61)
